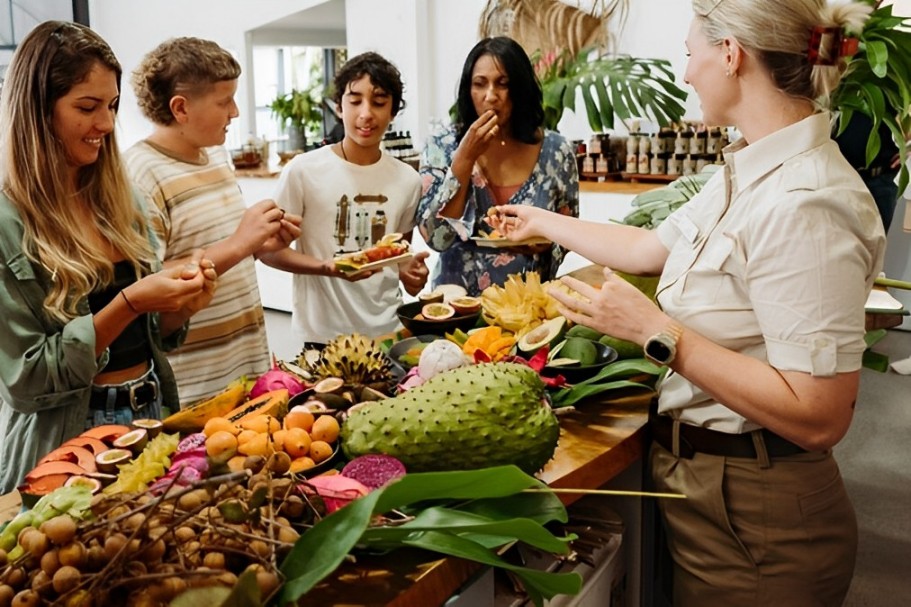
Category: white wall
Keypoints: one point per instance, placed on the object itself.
(427, 39)
(133, 28)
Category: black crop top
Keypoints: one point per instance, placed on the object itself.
(132, 346)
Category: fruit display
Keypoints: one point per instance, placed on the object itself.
(520, 304)
(193, 418)
(488, 344)
(140, 549)
(471, 417)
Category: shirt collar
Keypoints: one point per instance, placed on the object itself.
(750, 162)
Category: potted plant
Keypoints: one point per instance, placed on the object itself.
(299, 115)
(878, 82)
(622, 86)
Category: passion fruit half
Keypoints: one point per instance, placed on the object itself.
(152, 426)
(437, 311)
(465, 305)
(108, 461)
(93, 484)
(134, 440)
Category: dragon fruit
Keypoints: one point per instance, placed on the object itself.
(276, 379)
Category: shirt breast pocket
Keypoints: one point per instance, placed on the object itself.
(714, 277)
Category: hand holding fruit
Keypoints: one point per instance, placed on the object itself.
(186, 287)
(517, 221)
(618, 308)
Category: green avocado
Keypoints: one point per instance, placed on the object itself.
(580, 349)
(625, 349)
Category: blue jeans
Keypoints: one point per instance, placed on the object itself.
(123, 415)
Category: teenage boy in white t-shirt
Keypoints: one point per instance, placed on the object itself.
(349, 195)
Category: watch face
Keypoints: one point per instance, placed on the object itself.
(658, 350)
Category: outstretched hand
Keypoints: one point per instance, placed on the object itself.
(617, 308)
(516, 221)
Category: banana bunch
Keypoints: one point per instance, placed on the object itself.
(520, 305)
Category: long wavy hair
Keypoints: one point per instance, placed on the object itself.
(524, 89)
(53, 58)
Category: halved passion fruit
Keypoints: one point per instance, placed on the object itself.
(437, 311)
(110, 459)
(465, 305)
(134, 440)
(93, 484)
(152, 426)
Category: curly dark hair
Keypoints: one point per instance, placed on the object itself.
(382, 74)
(524, 89)
(179, 66)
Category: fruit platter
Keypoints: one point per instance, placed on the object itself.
(392, 249)
(238, 495)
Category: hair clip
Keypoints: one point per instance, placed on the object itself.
(829, 44)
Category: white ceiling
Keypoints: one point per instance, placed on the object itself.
(329, 15)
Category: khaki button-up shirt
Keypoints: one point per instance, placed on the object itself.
(774, 258)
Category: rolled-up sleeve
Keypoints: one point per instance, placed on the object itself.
(439, 186)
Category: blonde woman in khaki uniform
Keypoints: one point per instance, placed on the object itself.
(764, 276)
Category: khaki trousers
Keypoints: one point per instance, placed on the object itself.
(782, 535)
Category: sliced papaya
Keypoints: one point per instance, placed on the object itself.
(47, 468)
(194, 418)
(44, 484)
(274, 403)
(80, 456)
(107, 433)
(87, 442)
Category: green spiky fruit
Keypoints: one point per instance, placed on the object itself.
(468, 418)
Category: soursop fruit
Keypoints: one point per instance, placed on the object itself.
(467, 418)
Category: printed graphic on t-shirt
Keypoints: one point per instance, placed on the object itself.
(360, 221)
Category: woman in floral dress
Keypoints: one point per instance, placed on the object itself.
(496, 152)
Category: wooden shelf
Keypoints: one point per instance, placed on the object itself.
(636, 177)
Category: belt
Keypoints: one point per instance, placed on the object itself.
(134, 394)
(869, 173)
(695, 439)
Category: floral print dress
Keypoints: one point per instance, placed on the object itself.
(552, 185)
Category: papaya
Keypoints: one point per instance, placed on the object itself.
(86, 442)
(80, 456)
(49, 468)
(274, 403)
(194, 418)
(107, 433)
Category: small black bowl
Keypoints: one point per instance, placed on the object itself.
(575, 373)
(407, 312)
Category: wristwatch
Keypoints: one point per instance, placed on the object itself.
(661, 349)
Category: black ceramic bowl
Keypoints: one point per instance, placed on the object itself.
(575, 373)
(408, 311)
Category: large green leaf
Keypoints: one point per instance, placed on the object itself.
(320, 550)
(538, 584)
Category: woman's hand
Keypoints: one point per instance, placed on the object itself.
(617, 308)
(517, 221)
(413, 273)
(188, 287)
(477, 139)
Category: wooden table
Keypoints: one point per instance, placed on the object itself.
(598, 441)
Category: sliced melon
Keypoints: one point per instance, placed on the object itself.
(547, 333)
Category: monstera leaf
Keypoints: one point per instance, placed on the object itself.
(620, 86)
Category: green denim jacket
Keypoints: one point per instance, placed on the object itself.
(47, 368)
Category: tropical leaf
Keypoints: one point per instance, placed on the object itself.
(624, 86)
(480, 509)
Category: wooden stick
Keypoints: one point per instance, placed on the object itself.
(607, 492)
